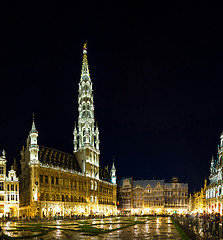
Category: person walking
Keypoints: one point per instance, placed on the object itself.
(217, 221)
(1, 233)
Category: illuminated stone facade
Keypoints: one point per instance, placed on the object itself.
(152, 196)
(9, 189)
(54, 183)
(214, 191)
(197, 201)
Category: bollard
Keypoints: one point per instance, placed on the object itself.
(1, 233)
(213, 229)
(220, 230)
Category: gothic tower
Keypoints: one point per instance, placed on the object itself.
(86, 135)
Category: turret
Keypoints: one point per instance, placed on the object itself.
(113, 173)
(205, 184)
(3, 154)
(3, 163)
(221, 140)
(14, 166)
(97, 137)
(212, 164)
(33, 147)
(75, 138)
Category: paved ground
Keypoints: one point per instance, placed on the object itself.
(155, 228)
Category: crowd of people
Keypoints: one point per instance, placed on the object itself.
(56, 217)
(205, 223)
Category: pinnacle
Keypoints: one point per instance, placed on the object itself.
(33, 129)
(113, 165)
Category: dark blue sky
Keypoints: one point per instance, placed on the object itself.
(156, 78)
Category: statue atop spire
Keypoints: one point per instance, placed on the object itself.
(85, 75)
(85, 48)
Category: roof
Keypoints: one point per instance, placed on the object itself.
(120, 182)
(143, 183)
(104, 174)
(181, 185)
(58, 158)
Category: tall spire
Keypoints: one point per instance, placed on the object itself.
(86, 135)
(86, 132)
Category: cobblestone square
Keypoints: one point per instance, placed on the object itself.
(104, 229)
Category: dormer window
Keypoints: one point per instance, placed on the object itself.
(11, 178)
(1, 170)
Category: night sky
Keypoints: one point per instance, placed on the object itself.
(156, 77)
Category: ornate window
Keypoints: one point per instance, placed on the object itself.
(41, 196)
(47, 196)
(46, 179)
(1, 186)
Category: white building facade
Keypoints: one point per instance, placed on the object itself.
(9, 189)
(214, 191)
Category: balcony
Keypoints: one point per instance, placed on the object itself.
(34, 146)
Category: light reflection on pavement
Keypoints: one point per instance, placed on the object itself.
(160, 228)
